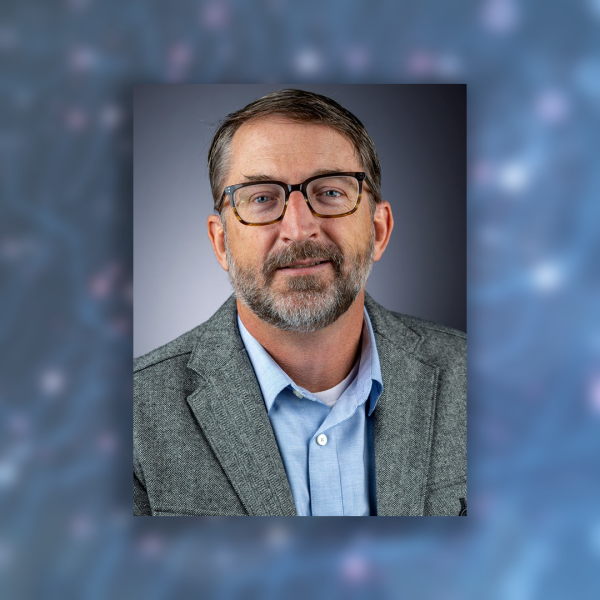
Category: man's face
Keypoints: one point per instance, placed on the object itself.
(264, 261)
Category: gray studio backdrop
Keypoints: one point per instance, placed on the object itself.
(420, 134)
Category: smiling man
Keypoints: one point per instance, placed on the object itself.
(301, 395)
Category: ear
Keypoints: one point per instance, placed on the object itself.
(216, 235)
(383, 222)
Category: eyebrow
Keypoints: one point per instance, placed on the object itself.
(264, 177)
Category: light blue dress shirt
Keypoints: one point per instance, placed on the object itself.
(327, 452)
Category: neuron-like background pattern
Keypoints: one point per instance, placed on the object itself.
(533, 70)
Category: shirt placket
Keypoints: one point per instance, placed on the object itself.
(324, 474)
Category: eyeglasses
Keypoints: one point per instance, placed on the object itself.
(328, 196)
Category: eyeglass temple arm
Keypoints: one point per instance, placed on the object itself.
(221, 202)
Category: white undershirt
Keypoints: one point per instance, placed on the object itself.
(331, 396)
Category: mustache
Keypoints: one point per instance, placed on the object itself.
(302, 251)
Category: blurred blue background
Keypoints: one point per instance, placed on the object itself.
(533, 75)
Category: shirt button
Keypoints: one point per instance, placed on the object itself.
(297, 393)
(321, 439)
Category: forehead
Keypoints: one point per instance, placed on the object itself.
(287, 150)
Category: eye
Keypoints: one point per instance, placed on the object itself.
(329, 194)
(264, 198)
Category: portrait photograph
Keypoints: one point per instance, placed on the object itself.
(300, 300)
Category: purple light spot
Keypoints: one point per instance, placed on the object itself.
(307, 61)
(355, 569)
(18, 424)
(214, 15)
(552, 106)
(100, 286)
(499, 16)
(110, 116)
(594, 392)
(179, 55)
(82, 59)
(75, 119)
(121, 325)
(482, 172)
(420, 63)
(151, 546)
(52, 382)
(80, 527)
(357, 59)
(106, 443)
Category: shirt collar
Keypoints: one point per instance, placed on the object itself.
(272, 379)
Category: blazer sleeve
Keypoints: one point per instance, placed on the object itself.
(141, 504)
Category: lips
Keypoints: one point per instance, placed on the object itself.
(304, 264)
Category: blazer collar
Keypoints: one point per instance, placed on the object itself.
(231, 413)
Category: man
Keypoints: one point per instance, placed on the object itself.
(301, 395)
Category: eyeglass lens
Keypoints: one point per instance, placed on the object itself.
(263, 202)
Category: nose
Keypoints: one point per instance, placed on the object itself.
(298, 223)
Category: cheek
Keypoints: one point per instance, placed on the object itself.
(355, 240)
(248, 249)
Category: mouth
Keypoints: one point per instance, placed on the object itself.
(305, 266)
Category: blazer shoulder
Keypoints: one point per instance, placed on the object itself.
(205, 346)
(431, 329)
(162, 378)
(433, 343)
(440, 345)
(181, 346)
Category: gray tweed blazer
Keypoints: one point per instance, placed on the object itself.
(203, 443)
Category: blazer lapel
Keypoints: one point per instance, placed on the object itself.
(403, 417)
(231, 413)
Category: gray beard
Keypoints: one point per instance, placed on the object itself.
(308, 304)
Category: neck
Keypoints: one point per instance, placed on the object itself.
(316, 361)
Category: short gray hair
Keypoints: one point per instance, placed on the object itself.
(302, 107)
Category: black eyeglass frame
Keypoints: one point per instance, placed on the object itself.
(288, 189)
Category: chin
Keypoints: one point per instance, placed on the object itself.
(306, 311)
(293, 301)
(304, 303)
